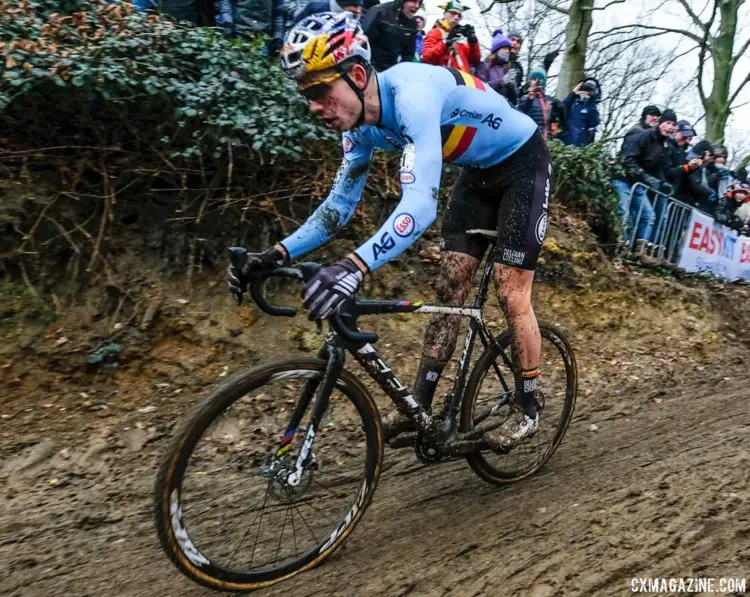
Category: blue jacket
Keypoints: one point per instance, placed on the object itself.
(581, 120)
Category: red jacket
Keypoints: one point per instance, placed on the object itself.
(460, 54)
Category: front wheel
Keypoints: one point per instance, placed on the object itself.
(235, 509)
(490, 393)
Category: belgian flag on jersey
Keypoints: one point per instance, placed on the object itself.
(457, 138)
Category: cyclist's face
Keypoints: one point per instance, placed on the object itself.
(335, 103)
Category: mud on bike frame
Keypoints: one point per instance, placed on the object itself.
(439, 429)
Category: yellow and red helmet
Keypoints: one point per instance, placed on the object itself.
(320, 43)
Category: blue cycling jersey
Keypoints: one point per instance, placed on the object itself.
(431, 114)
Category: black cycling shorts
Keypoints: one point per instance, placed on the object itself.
(511, 197)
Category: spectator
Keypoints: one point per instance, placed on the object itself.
(679, 165)
(649, 119)
(495, 69)
(225, 16)
(720, 177)
(703, 197)
(270, 17)
(581, 114)
(198, 12)
(316, 6)
(516, 41)
(392, 32)
(545, 110)
(740, 197)
(450, 44)
(420, 35)
(646, 160)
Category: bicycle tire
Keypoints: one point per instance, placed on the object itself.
(476, 460)
(168, 518)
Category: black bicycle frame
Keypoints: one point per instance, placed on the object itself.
(383, 375)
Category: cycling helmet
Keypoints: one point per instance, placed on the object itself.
(322, 42)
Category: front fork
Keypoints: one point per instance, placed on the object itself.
(322, 389)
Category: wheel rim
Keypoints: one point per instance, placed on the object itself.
(555, 387)
(234, 513)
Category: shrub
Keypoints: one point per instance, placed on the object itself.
(583, 183)
(109, 75)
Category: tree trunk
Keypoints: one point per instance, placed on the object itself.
(717, 103)
(576, 42)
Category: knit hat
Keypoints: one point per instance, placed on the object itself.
(721, 151)
(702, 147)
(515, 33)
(454, 5)
(499, 40)
(539, 73)
(650, 111)
(668, 116)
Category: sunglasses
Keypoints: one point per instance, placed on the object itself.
(316, 93)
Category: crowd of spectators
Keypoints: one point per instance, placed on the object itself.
(660, 163)
(656, 152)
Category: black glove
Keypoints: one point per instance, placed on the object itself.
(330, 287)
(470, 34)
(452, 35)
(274, 47)
(651, 181)
(269, 259)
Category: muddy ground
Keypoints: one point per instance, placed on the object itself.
(651, 479)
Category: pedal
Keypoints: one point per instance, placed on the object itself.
(405, 440)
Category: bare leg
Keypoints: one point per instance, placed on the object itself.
(514, 293)
(453, 287)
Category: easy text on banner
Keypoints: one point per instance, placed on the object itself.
(712, 248)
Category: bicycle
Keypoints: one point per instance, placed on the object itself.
(334, 405)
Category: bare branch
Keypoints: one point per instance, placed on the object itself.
(556, 7)
(632, 27)
(486, 10)
(745, 81)
(606, 6)
(700, 24)
(741, 51)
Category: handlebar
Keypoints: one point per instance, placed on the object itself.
(238, 257)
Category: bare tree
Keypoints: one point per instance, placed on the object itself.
(712, 32)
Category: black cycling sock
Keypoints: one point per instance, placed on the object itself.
(526, 384)
(427, 379)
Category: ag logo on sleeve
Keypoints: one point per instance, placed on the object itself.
(406, 175)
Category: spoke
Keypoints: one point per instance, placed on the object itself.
(294, 533)
(260, 524)
(247, 532)
(281, 536)
(307, 525)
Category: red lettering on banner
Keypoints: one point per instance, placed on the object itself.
(745, 255)
(694, 236)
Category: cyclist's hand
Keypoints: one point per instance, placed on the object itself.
(237, 278)
(330, 287)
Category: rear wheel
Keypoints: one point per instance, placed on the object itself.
(233, 511)
(489, 395)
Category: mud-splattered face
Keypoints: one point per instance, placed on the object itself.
(335, 102)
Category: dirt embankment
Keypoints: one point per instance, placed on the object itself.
(652, 479)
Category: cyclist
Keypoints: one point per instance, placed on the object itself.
(432, 115)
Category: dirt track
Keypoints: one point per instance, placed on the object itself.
(660, 488)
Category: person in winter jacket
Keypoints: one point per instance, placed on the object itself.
(646, 160)
(450, 44)
(649, 119)
(683, 165)
(419, 19)
(201, 13)
(545, 110)
(392, 32)
(316, 6)
(495, 69)
(516, 41)
(581, 114)
(739, 200)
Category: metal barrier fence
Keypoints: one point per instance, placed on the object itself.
(671, 221)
